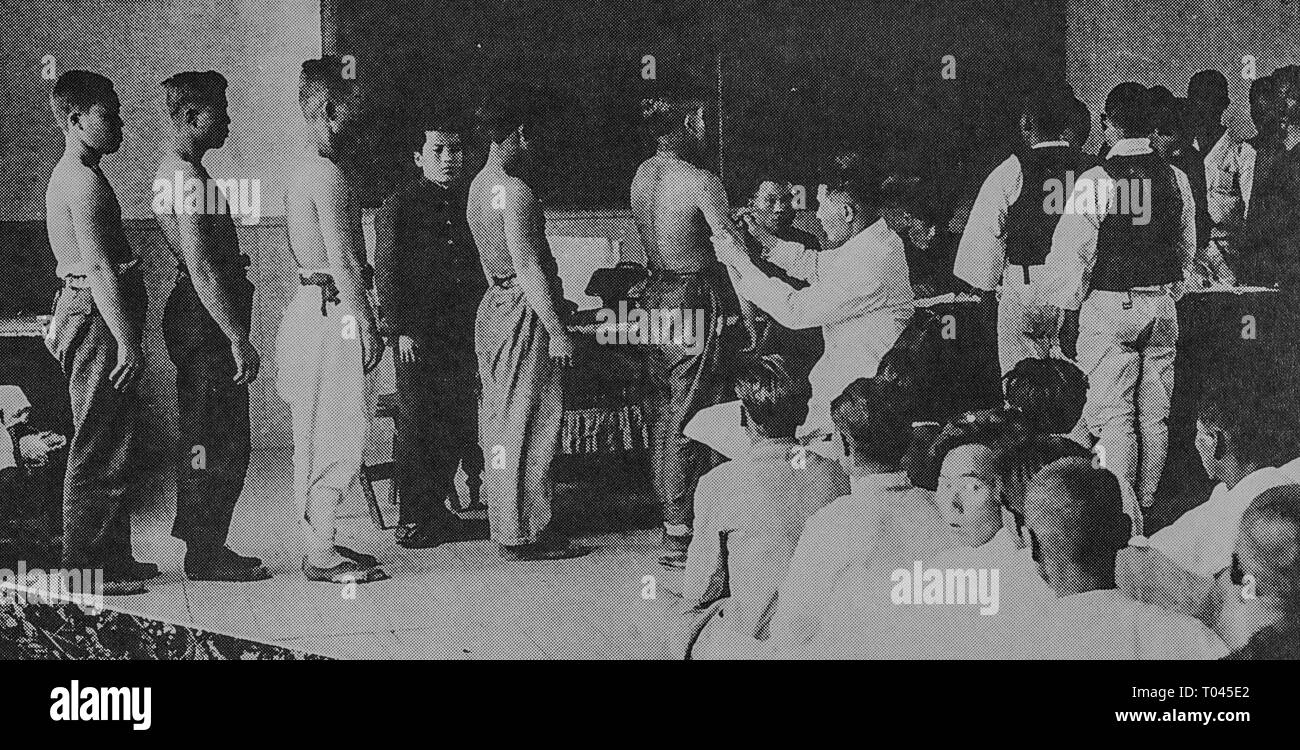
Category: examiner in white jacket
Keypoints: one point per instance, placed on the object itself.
(859, 291)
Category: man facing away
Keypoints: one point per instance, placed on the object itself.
(1009, 233)
(95, 334)
(1119, 256)
(430, 283)
(678, 206)
(883, 524)
(750, 512)
(328, 340)
(1076, 523)
(520, 339)
(206, 326)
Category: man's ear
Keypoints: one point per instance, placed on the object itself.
(1217, 447)
(849, 211)
(417, 157)
(330, 111)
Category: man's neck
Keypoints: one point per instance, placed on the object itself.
(1077, 582)
(670, 152)
(1234, 472)
(189, 153)
(77, 149)
(871, 468)
(1291, 138)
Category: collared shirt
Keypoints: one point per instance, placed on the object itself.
(1109, 624)
(860, 295)
(762, 500)
(1203, 538)
(1229, 177)
(1074, 244)
(885, 524)
(428, 277)
(982, 253)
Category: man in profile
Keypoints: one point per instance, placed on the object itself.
(206, 326)
(678, 207)
(522, 344)
(328, 340)
(95, 333)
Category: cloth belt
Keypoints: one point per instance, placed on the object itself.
(505, 282)
(329, 291)
(79, 280)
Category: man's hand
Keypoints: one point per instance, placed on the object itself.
(130, 360)
(247, 361)
(729, 251)
(36, 448)
(1070, 334)
(561, 349)
(407, 350)
(372, 347)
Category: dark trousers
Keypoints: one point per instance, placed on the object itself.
(214, 429)
(101, 466)
(437, 431)
(683, 382)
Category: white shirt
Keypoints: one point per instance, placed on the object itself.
(885, 524)
(1108, 624)
(1203, 538)
(1229, 178)
(982, 252)
(1074, 243)
(861, 296)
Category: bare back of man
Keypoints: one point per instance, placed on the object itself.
(672, 201)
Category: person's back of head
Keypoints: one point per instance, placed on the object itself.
(1079, 127)
(671, 110)
(1208, 90)
(77, 91)
(322, 85)
(774, 402)
(1045, 112)
(1243, 426)
(1268, 547)
(1050, 392)
(192, 89)
(1128, 109)
(873, 419)
(1075, 517)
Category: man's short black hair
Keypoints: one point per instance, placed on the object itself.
(669, 99)
(859, 185)
(1003, 431)
(322, 81)
(443, 118)
(874, 415)
(1050, 392)
(499, 116)
(1270, 528)
(774, 400)
(193, 88)
(1259, 428)
(1080, 120)
(1209, 87)
(78, 91)
(1047, 106)
(1128, 106)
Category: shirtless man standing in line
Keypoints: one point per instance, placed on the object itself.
(328, 340)
(678, 208)
(95, 333)
(520, 339)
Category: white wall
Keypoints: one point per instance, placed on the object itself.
(259, 45)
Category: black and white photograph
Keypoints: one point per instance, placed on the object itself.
(651, 330)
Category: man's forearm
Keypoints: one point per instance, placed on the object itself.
(107, 293)
(541, 297)
(218, 304)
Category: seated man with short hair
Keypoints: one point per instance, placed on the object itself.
(1076, 523)
(750, 511)
(884, 523)
(1265, 610)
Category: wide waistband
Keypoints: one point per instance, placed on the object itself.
(504, 282)
(709, 270)
(229, 267)
(80, 280)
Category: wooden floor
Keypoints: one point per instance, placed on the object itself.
(456, 601)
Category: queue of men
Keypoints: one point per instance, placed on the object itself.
(803, 543)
